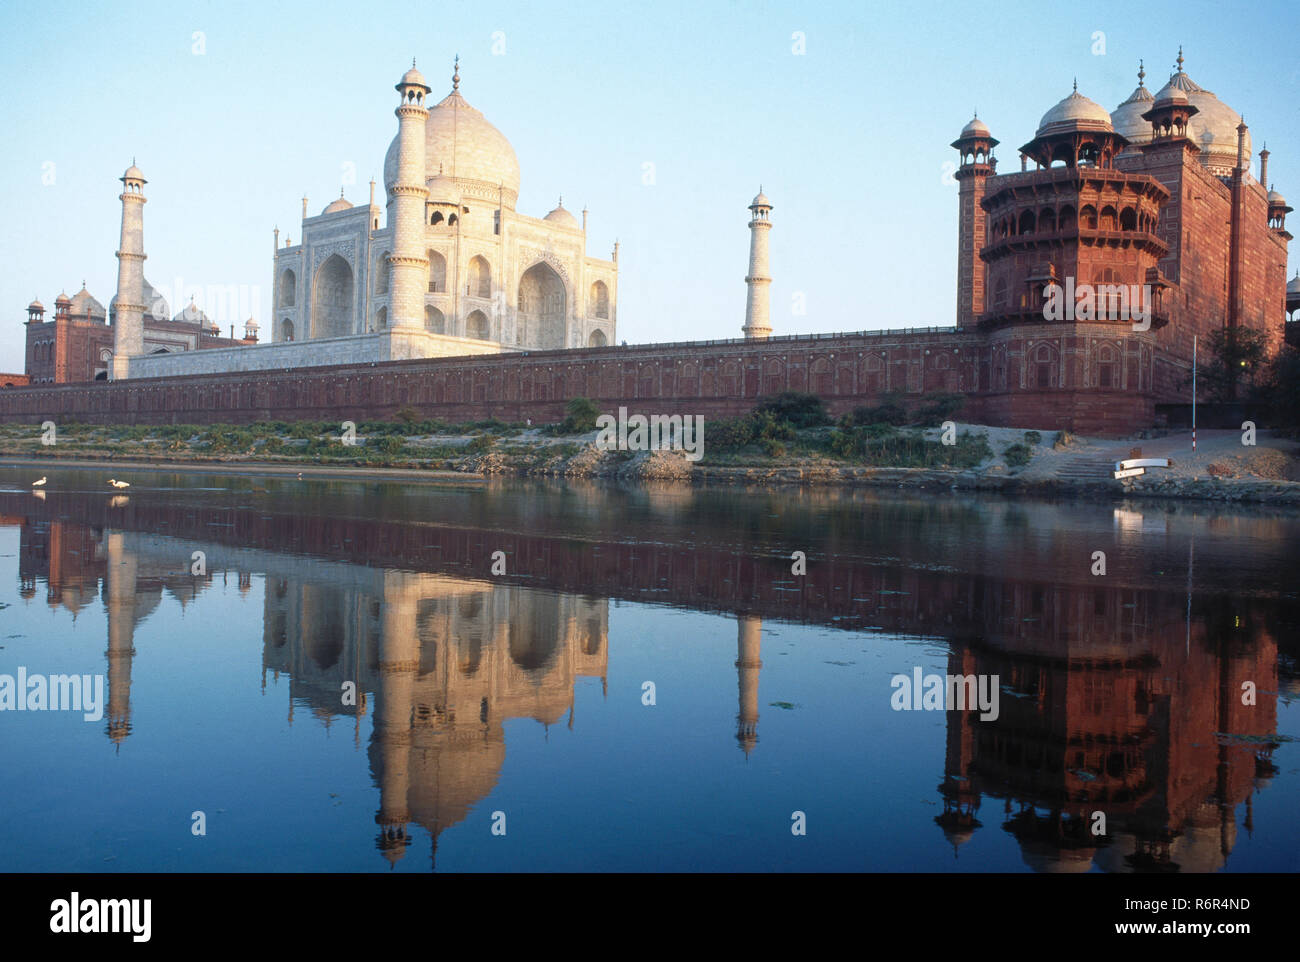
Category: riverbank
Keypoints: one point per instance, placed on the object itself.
(1006, 461)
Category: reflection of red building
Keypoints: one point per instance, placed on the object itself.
(77, 343)
(1113, 703)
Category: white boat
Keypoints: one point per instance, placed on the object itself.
(1128, 463)
(1129, 473)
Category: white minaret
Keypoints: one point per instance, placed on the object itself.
(758, 318)
(409, 261)
(129, 307)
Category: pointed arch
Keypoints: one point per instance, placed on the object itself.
(332, 301)
(543, 303)
(480, 277)
(437, 273)
(476, 325)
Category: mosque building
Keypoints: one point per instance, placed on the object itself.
(1156, 197)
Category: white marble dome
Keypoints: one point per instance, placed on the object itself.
(563, 218)
(337, 204)
(84, 304)
(1075, 112)
(1127, 117)
(462, 144)
(1213, 127)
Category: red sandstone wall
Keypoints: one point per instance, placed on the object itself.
(713, 380)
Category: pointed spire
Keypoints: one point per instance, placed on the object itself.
(1180, 58)
(1142, 74)
(455, 75)
(1076, 85)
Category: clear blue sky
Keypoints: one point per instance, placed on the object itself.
(849, 139)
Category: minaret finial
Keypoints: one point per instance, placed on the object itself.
(1180, 58)
(455, 74)
(1076, 85)
(1142, 74)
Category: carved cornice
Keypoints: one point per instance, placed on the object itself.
(345, 249)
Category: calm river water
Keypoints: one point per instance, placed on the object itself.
(640, 680)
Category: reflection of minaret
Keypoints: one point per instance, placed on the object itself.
(119, 599)
(960, 798)
(749, 639)
(399, 660)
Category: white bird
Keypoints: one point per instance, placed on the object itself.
(38, 484)
(119, 484)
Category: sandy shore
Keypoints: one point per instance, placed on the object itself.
(1221, 469)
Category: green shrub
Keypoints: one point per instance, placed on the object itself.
(728, 434)
(1033, 437)
(484, 442)
(795, 408)
(580, 416)
(1017, 455)
(385, 444)
(228, 441)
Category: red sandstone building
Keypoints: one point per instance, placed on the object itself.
(1155, 200)
(76, 345)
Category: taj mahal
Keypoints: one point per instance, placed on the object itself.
(448, 267)
(454, 258)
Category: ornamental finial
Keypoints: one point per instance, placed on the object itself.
(1180, 58)
(455, 74)
(1142, 74)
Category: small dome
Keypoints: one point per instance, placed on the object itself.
(36, 306)
(1275, 198)
(760, 200)
(192, 313)
(975, 128)
(85, 304)
(1171, 93)
(250, 324)
(133, 173)
(413, 78)
(339, 203)
(63, 300)
(562, 217)
(1293, 285)
(1075, 112)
